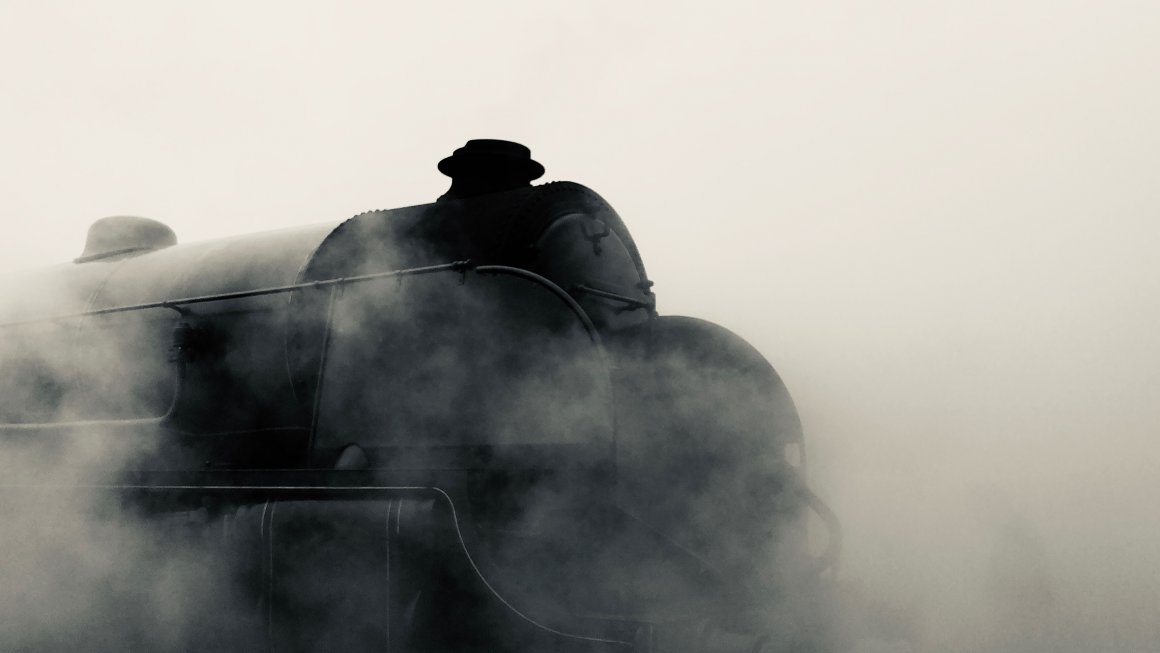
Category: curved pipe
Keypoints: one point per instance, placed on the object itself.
(552, 287)
(581, 315)
(829, 557)
(501, 599)
(355, 489)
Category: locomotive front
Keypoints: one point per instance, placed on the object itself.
(447, 427)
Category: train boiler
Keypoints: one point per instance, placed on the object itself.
(458, 426)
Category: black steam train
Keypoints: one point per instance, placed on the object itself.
(459, 426)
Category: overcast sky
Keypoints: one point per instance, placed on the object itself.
(938, 220)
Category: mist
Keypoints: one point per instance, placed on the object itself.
(937, 222)
(82, 569)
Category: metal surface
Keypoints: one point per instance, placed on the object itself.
(324, 350)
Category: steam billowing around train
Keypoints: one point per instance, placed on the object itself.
(459, 426)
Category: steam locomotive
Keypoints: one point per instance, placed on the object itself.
(459, 426)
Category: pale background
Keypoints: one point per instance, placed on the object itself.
(938, 220)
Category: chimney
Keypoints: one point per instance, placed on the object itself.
(488, 166)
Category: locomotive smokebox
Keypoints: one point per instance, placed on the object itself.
(489, 166)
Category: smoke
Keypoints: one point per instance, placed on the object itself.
(80, 574)
(421, 361)
(82, 569)
(995, 494)
(973, 521)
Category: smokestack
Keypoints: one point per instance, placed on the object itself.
(489, 166)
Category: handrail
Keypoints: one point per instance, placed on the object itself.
(180, 345)
(829, 557)
(176, 304)
(631, 302)
(552, 287)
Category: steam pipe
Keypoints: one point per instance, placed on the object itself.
(181, 342)
(829, 557)
(581, 315)
(552, 287)
(181, 332)
(631, 302)
(257, 292)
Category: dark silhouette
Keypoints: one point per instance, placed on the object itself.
(489, 166)
(456, 426)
